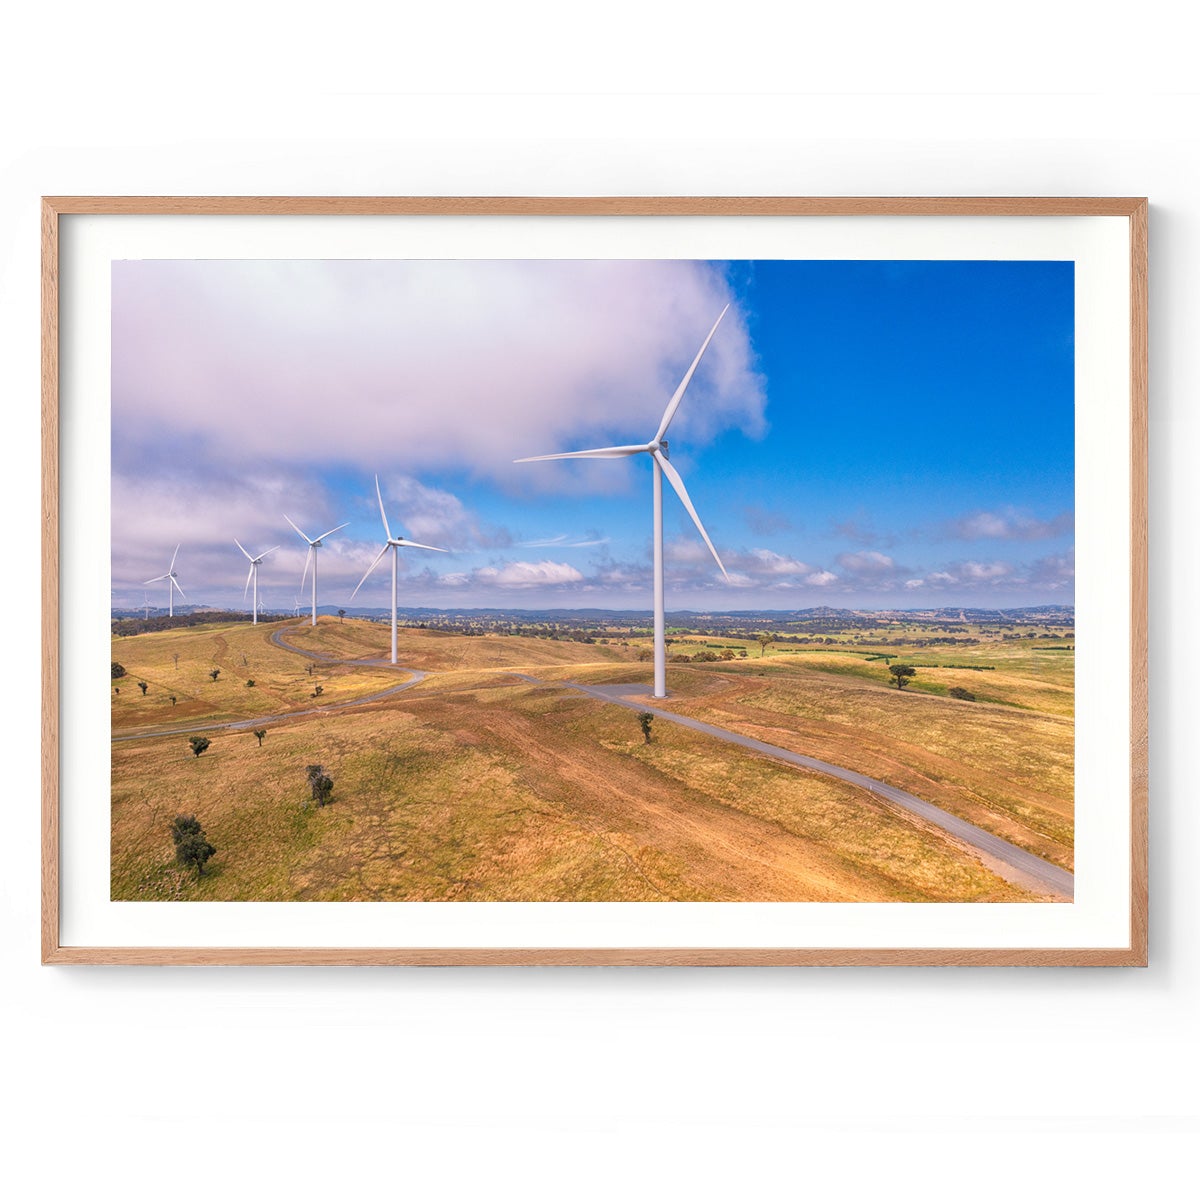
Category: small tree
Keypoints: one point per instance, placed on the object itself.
(645, 720)
(260, 734)
(143, 685)
(901, 674)
(118, 671)
(317, 692)
(199, 744)
(764, 640)
(172, 701)
(214, 673)
(341, 614)
(320, 783)
(191, 847)
(249, 682)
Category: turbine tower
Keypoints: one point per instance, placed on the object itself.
(172, 584)
(253, 575)
(657, 450)
(393, 544)
(313, 545)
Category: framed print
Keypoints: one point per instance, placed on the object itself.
(595, 581)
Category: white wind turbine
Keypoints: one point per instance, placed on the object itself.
(311, 557)
(253, 575)
(393, 544)
(657, 449)
(172, 584)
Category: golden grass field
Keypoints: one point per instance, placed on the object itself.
(472, 785)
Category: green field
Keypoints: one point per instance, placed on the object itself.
(473, 785)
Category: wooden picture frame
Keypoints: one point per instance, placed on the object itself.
(57, 740)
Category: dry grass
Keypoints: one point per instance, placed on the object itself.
(471, 785)
(1005, 768)
(515, 794)
(241, 652)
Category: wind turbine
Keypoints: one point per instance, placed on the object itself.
(146, 597)
(393, 544)
(657, 449)
(253, 575)
(172, 584)
(311, 557)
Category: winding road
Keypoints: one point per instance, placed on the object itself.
(1010, 862)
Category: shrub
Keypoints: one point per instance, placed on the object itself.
(118, 671)
(199, 744)
(214, 673)
(961, 693)
(320, 783)
(191, 847)
(645, 720)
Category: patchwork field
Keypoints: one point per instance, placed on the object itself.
(473, 785)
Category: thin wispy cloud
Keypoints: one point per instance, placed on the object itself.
(564, 541)
(1010, 525)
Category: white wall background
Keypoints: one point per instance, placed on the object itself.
(723, 1082)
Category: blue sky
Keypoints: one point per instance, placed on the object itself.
(859, 434)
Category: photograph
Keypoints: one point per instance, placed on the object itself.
(593, 580)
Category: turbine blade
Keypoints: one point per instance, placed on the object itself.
(173, 558)
(681, 492)
(372, 567)
(298, 529)
(386, 528)
(266, 552)
(242, 549)
(307, 560)
(156, 579)
(604, 452)
(417, 545)
(249, 576)
(333, 530)
(675, 399)
(175, 585)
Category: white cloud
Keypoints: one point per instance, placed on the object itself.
(1011, 524)
(434, 516)
(977, 572)
(866, 563)
(463, 364)
(527, 574)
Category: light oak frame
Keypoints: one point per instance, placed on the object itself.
(1134, 209)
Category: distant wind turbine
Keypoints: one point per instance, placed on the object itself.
(313, 546)
(172, 584)
(657, 449)
(393, 544)
(146, 597)
(253, 575)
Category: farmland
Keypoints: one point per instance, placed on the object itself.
(474, 784)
